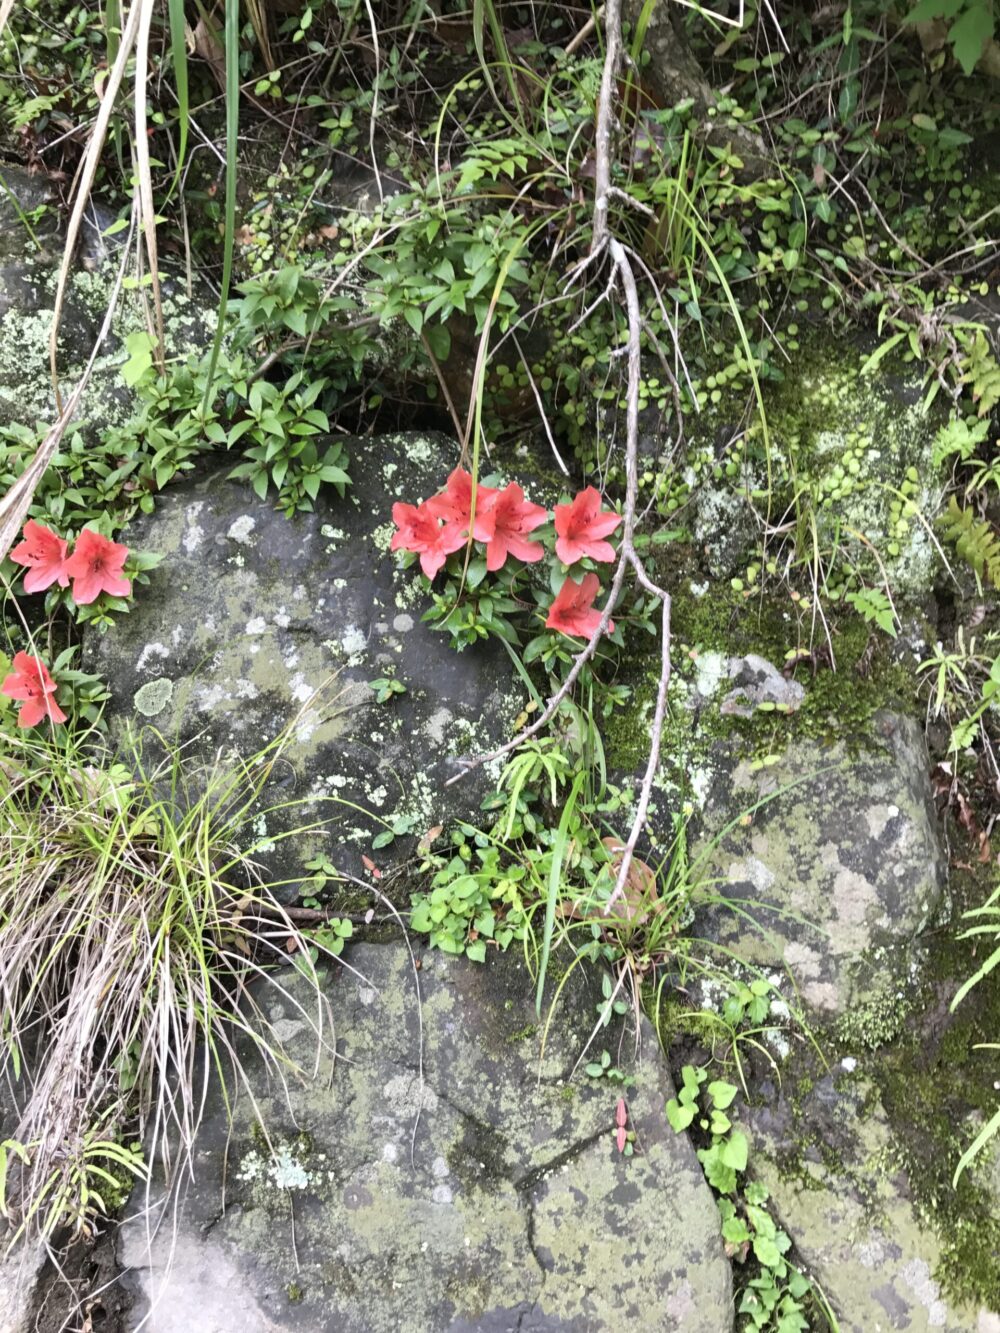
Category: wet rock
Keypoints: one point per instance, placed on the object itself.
(27, 302)
(754, 682)
(252, 613)
(828, 1162)
(29, 221)
(834, 856)
(20, 1276)
(673, 75)
(504, 1204)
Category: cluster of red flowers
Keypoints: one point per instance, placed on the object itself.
(502, 520)
(95, 566)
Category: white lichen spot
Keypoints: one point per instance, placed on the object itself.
(154, 696)
(382, 537)
(151, 650)
(710, 670)
(402, 623)
(208, 696)
(353, 641)
(436, 726)
(284, 1170)
(300, 689)
(262, 843)
(241, 528)
(256, 626)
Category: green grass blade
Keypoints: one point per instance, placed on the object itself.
(987, 1132)
(232, 132)
(178, 58)
(559, 846)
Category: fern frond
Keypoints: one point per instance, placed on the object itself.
(974, 540)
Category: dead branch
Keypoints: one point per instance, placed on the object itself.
(604, 246)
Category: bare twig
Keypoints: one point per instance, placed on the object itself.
(605, 246)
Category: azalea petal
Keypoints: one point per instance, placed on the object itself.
(32, 712)
(568, 551)
(603, 525)
(17, 687)
(116, 584)
(527, 551)
(496, 554)
(86, 587)
(600, 551)
(43, 576)
(431, 562)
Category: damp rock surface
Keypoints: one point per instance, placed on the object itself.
(830, 863)
(256, 622)
(446, 1172)
(832, 1170)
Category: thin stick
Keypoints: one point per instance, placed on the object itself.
(604, 244)
(88, 171)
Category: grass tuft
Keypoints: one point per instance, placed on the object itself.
(133, 920)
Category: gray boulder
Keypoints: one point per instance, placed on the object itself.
(830, 864)
(830, 1163)
(456, 1175)
(252, 613)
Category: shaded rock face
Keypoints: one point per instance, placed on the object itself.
(28, 273)
(504, 1205)
(840, 870)
(252, 613)
(828, 1164)
(845, 445)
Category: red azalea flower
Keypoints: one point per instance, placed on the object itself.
(420, 530)
(573, 611)
(454, 503)
(31, 683)
(580, 527)
(45, 553)
(95, 567)
(507, 518)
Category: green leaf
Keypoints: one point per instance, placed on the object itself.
(680, 1117)
(722, 1093)
(734, 1151)
(970, 34)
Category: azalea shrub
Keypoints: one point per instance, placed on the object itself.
(93, 576)
(502, 562)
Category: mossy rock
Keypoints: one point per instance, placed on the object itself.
(831, 1165)
(255, 623)
(828, 864)
(437, 1176)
